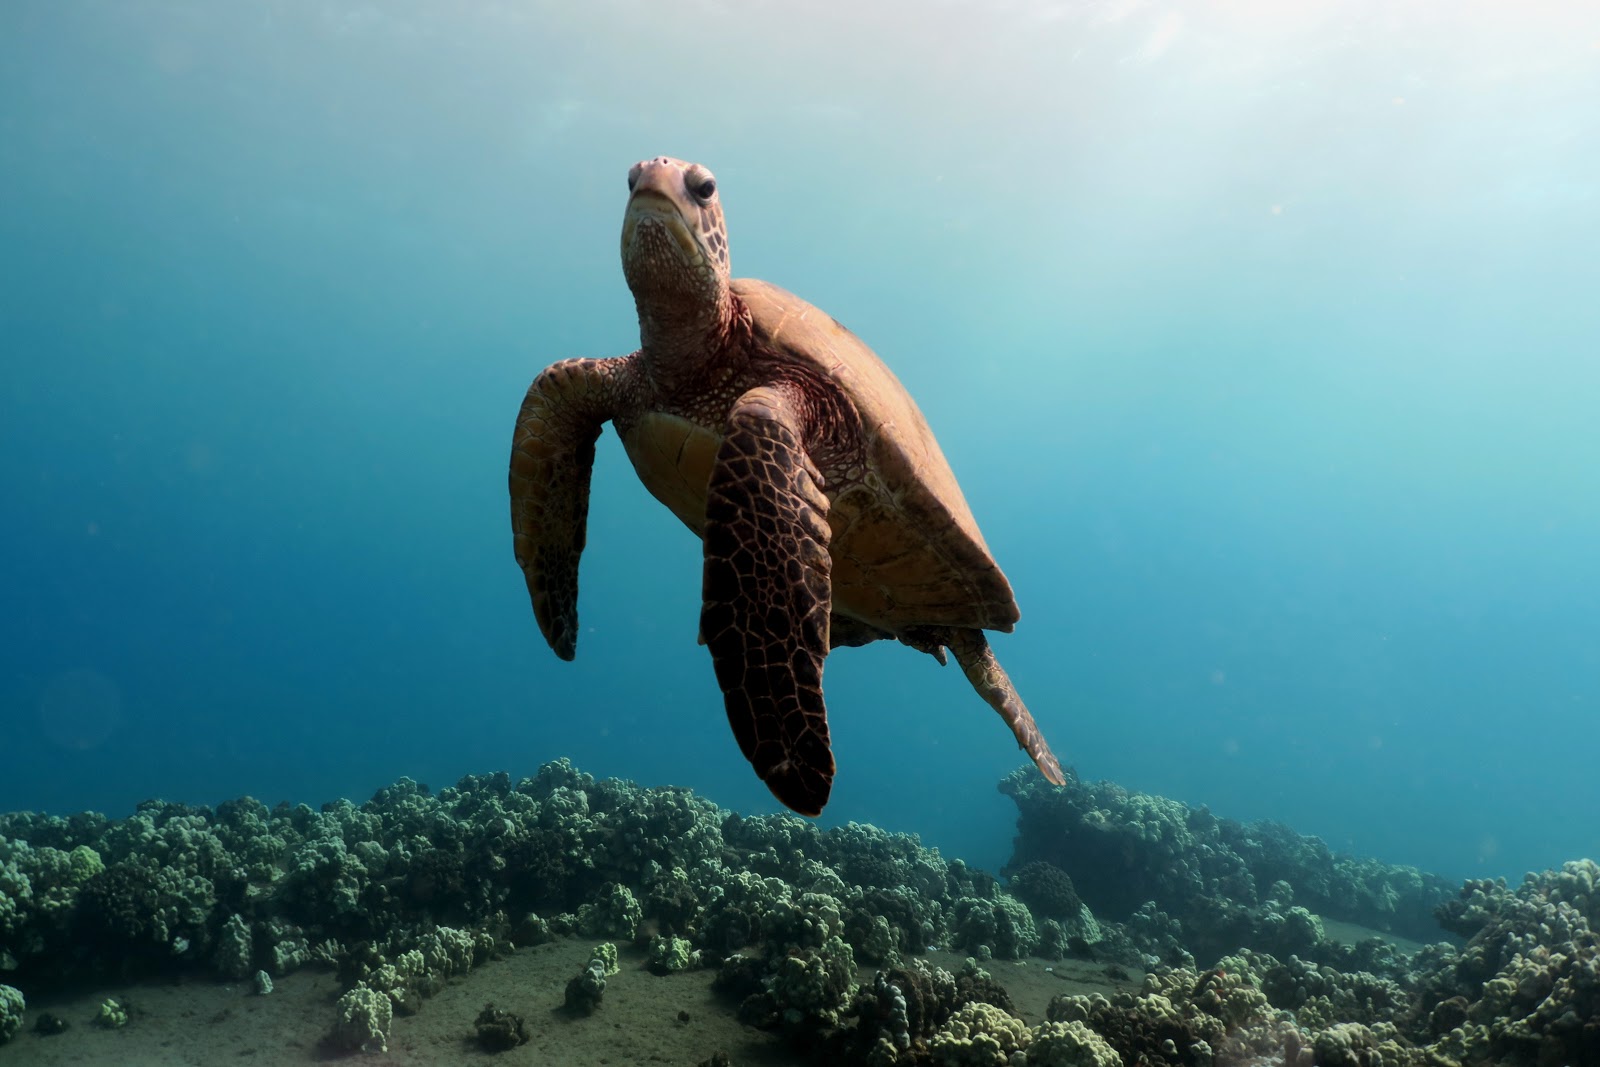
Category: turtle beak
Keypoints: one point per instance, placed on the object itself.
(657, 197)
(657, 176)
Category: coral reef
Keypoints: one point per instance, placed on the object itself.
(1526, 987)
(1228, 884)
(411, 889)
(244, 887)
(1524, 992)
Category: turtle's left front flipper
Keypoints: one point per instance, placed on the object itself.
(552, 455)
(767, 593)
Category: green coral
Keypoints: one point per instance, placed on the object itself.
(672, 954)
(112, 1015)
(363, 1019)
(234, 948)
(1046, 889)
(291, 950)
(447, 951)
(979, 1035)
(12, 1007)
(84, 863)
(735, 905)
(806, 921)
(422, 970)
(1001, 924)
(587, 988)
(606, 954)
(1320, 996)
(879, 940)
(40, 889)
(1073, 1044)
(812, 985)
(1527, 983)
(1179, 1019)
(1230, 992)
(671, 898)
(1348, 1045)
(618, 915)
(403, 981)
(1302, 929)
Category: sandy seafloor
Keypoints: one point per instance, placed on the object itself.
(200, 1023)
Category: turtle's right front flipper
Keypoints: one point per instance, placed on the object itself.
(767, 592)
(552, 455)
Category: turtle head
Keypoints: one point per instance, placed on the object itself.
(674, 242)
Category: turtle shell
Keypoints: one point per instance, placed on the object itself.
(906, 550)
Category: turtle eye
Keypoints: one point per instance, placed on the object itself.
(633, 176)
(700, 183)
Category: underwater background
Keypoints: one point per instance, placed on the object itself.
(1262, 338)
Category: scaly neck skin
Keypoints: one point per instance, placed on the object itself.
(682, 342)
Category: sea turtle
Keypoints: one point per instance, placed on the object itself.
(828, 513)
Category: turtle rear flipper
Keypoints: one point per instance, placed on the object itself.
(552, 456)
(983, 670)
(767, 593)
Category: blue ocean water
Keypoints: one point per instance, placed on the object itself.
(1262, 337)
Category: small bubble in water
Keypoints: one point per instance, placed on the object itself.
(80, 709)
